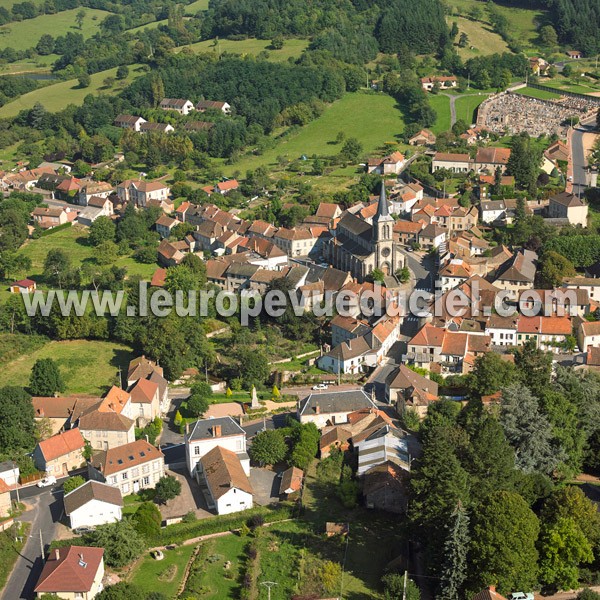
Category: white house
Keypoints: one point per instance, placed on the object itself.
(129, 122)
(227, 484)
(204, 105)
(130, 467)
(9, 472)
(502, 330)
(202, 436)
(492, 210)
(92, 504)
(332, 408)
(588, 335)
(180, 105)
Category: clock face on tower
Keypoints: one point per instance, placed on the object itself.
(385, 252)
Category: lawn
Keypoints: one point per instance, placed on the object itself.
(441, 105)
(482, 39)
(371, 118)
(194, 7)
(163, 575)
(14, 345)
(466, 106)
(73, 241)
(57, 96)
(87, 367)
(25, 34)
(523, 21)
(535, 93)
(39, 64)
(292, 48)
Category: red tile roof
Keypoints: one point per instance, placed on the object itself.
(70, 569)
(61, 444)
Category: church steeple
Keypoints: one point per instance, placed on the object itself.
(382, 221)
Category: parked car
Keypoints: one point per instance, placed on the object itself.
(46, 481)
(521, 596)
(83, 530)
(320, 386)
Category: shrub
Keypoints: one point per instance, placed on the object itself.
(147, 520)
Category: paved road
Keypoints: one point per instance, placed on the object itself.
(43, 517)
(578, 157)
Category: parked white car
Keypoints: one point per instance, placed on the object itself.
(320, 386)
(521, 596)
(46, 481)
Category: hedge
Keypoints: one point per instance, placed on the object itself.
(180, 532)
(55, 229)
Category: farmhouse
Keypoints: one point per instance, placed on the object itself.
(92, 504)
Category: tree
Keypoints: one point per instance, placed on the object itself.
(571, 502)
(563, 547)
(567, 70)
(73, 483)
(277, 42)
(555, 267)
(548, 35)
(121, 542)
(45, 45)
(123, 72)
(268, 447)
(524, 162)
(534, 366)
(84, 80)
(56, 267)
(106, 253)
(528, 431)
(456, 547)
(79, 18)
(378, 275)
(351, 150)
(490, 373)
(102, 229)
(503, 547)
(197, 404)
(331, 575)
(147, 520)
(393, 587)
(588, 594)
(253, 366)
(463, 40)
(305, 442)
(167, 488)
(45, 379)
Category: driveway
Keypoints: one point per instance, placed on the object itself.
(265, 484)
(190, 499)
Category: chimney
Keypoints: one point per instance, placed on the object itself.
(187, 428)
(492, 588)
(317, 410)
(216, 431)
(56, 553)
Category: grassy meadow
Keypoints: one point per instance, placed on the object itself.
(466, 107)
(87, 367)
(26, 34)
(57, 96)
(371, 118)
(292, 48)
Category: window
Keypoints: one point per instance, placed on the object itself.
(125, 475)
(145, 468)
(196, 450)
(125, 488)
(135, 472)
(113, 479)
(146, 481)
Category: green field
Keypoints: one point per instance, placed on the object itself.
(535, 93)
(292, 48)
(87, 367)
(371, 118)
(57, 96)
(25, 34)
(465, 107)
(194, 7)
(523, 25)
(482, 39)
(31, 65)
(73, 241)
(441, 105)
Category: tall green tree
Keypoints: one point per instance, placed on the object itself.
(268, 447)
(534, 367)
(45, 379)
(563, 547)
(121, 542)
(528, 431)
(503, 548)
(456, 547)
(491, 373)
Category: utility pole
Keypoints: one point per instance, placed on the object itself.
(404, 592)
(17, 487)
(268, 585)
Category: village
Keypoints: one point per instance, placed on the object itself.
(313, 456)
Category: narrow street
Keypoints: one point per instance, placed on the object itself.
(43, 517)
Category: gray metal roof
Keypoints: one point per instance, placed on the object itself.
(202, 430)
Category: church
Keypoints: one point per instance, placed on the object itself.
(360, 247)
